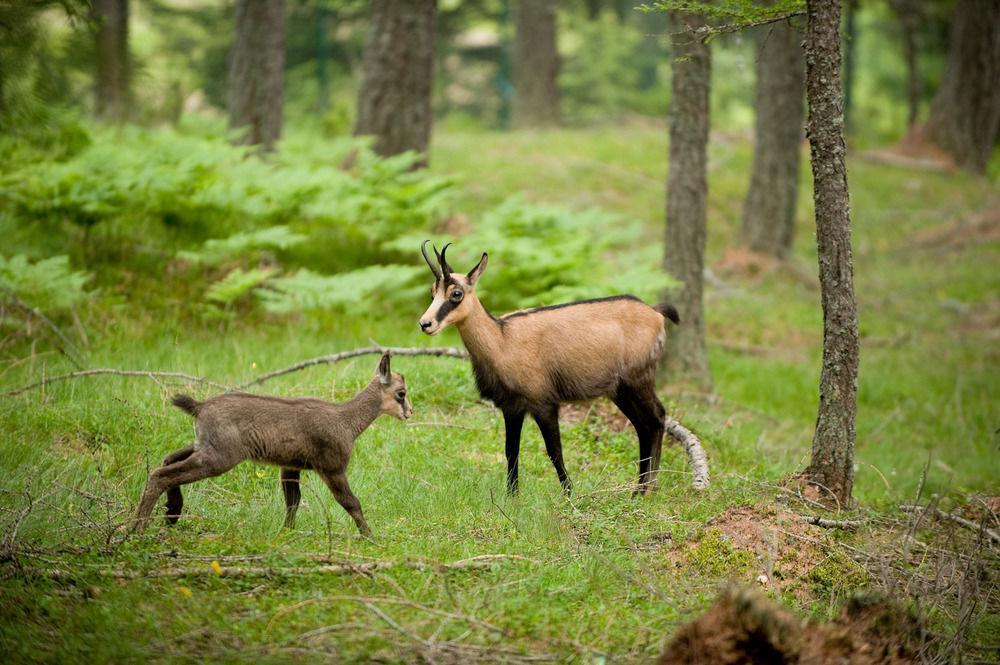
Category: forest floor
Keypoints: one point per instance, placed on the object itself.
(458, 572)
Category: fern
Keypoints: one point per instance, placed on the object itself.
(48, 285)
(237, 284)
(307, 291)
(216, 251)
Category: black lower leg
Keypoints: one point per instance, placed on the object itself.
(175, 500)
(513, 421)
(548, 422)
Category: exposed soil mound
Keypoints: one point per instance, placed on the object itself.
(743, 626)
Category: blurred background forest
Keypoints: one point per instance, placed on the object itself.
(224, 187)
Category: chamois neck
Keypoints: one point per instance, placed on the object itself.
(481, 333)
(362, 409)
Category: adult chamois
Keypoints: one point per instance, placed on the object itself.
(531, 361)
(294, 434)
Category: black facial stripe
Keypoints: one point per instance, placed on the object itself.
(445, 310)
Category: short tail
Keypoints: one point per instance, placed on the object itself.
(187, 403)
(667, 310)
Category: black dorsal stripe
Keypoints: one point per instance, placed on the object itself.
(534, 310)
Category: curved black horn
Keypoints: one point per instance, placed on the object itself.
(444, 262)
(430, 264)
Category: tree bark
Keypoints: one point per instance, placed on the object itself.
(257, 72)
(769, 211)
(908, 14)
(535, 61)
(850, 40)
(832, 464)
(111, 89)
(685, 357)
(394, 104)
(965, 113)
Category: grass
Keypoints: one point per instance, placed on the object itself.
(607, 576)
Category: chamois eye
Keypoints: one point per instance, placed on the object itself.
(401, 394)
(456, 295)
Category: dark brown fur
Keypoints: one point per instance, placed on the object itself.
(295, 434)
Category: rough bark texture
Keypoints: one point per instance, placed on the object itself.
(535, 62)
(965, 113)
(850, 40)
(769, 212)
(832, 464)
(394, 104)
(111, 88)
(687, 191)
(257, 71)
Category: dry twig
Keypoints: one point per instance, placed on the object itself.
(961, 521)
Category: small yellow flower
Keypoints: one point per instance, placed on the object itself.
(253, 365)
(260, 473)
(216, 567)
(186, 592)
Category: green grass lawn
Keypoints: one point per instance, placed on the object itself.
(600, 577)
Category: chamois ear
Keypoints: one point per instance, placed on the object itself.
(383, 369)
(478, 271)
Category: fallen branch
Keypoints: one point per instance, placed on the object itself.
(67, 347)
(961, 521)
(364, 568)
(831, 524)
(692, 445)
(115, 372)
(447, 351)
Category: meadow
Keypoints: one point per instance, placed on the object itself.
(457, 571)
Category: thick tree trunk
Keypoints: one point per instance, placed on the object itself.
(769, 212)
(535, 61)
(257, 71)
(832, 464)
(394, 104)
(908, 14)
(687, 190)
(111, 89)
(965, 113)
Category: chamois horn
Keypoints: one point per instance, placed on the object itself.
(444, 262)
(434, 269)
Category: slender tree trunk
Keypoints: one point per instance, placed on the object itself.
(832, 464)
(769, 212)
(394, 104)
(535, 61)
(965, 113)
(850, 41)
(257, 71)
(111, 90)
(908, 14)
(687, 190)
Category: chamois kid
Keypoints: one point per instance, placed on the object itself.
(294, 434)
(531, 361)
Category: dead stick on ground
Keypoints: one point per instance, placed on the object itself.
(692, 445)
(961, 521)
(484, 561)
(450, 352)
(831, 524)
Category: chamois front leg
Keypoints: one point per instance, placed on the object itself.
(293, 493)
(337, 482)
(548, 422)
(513, 421)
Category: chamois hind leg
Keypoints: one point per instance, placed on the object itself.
(547, 418)
(175, 500)
(337, 482)
(513, 421)
(293, 493)
(197, 466)
(639, 403)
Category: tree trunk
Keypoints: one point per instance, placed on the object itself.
(965, 113)
(257, 71)
(535, 63)
(769, 212)
(908, 14)
(687, 190)
(832, 464)
(111, 89)
(394, 104)
(851, 36)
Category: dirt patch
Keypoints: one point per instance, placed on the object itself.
(964, 231)
(601, 413)
(914, 151)
(745, 627)
(774, 548)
